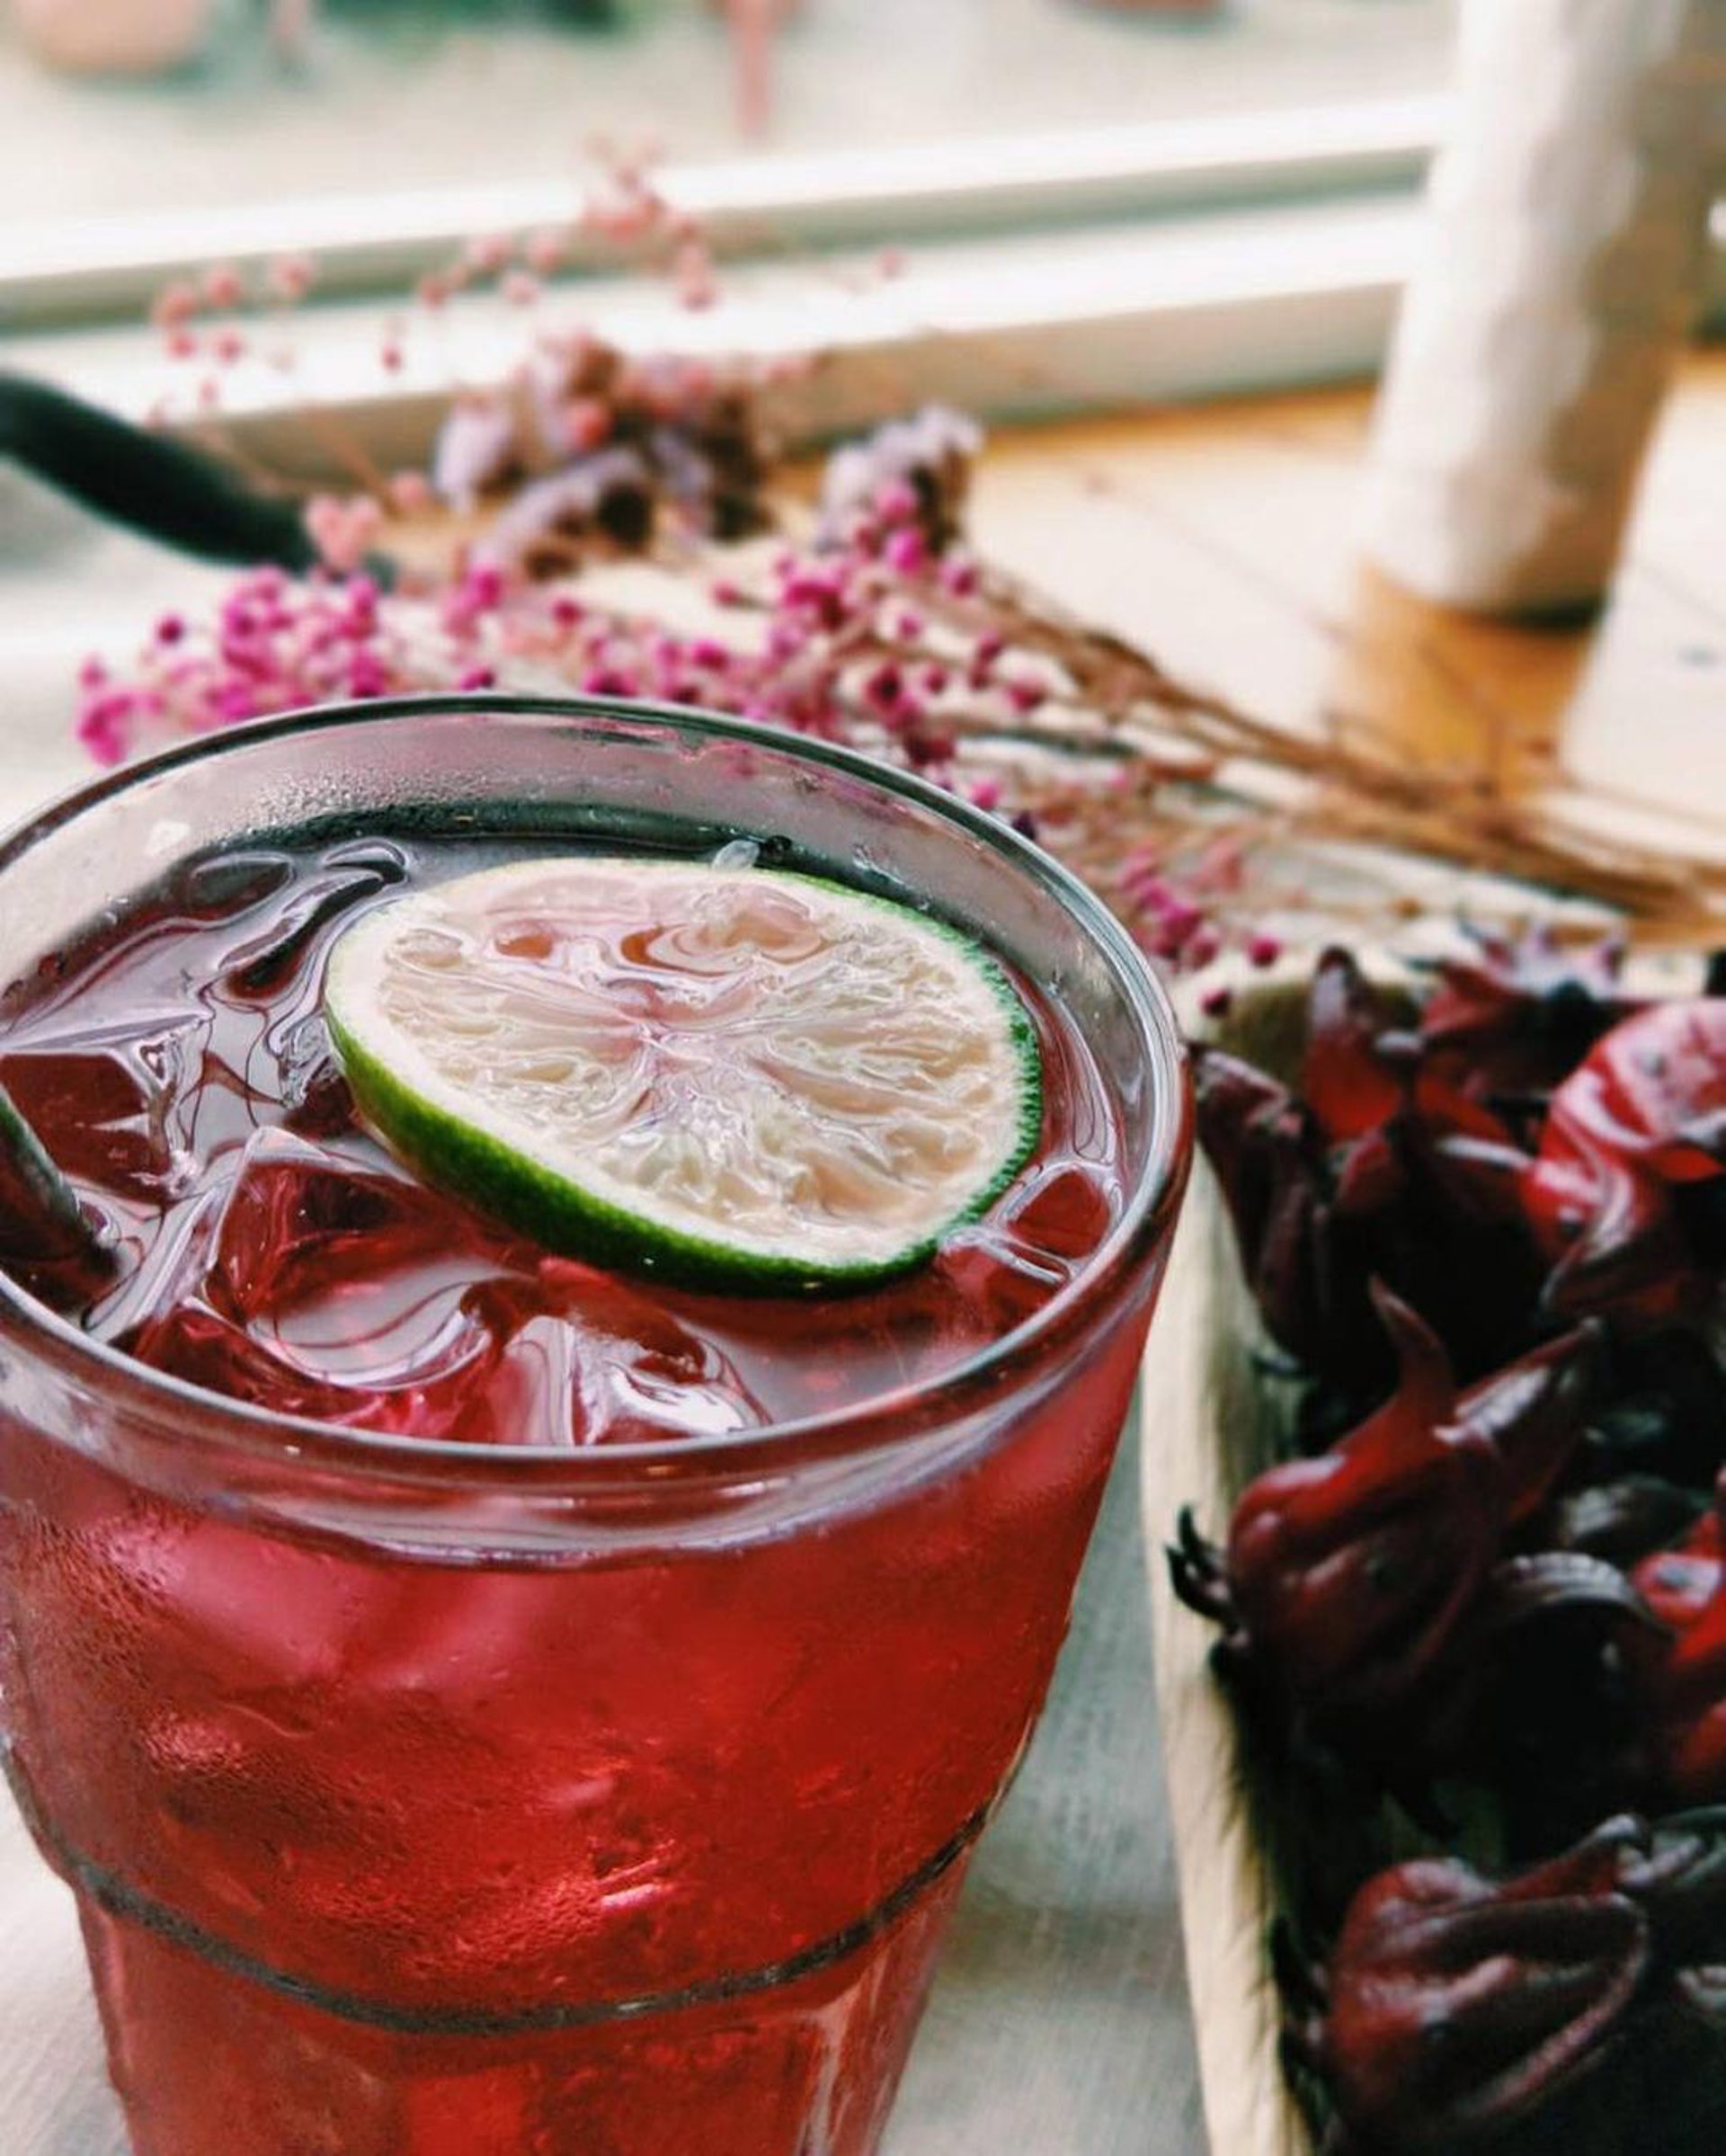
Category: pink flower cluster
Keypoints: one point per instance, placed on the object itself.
(275, 643)
(858, 646)
(624, 213)
(843, 643)
(1180, 916)
(884, 632)
(183, 310)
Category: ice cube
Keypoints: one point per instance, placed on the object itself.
(637, 1375)
(261, 969)
(219, 885)
(316, 1098)
(113, 1103)
(1063, 1210)
(439, 1394)
(299, 1219)
(323, 1285)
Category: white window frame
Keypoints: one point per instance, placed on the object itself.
(56, 271)
(1048, 272)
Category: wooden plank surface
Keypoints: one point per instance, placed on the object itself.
(1223, 538)
(1198, 1382)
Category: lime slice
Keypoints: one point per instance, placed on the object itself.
(724, 1075)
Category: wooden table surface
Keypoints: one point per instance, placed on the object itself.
(1221, 538)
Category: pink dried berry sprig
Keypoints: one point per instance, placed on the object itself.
(689, 433)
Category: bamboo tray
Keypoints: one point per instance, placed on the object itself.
(1209, 1424)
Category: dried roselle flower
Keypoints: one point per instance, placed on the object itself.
(1680, 1671)
(1543, 1583)
(1347, 1573)
(1296, 1219)
(1535, 1411)
(1346, 1576)
(1619, 1195)
(1622, 1520)
(1355, 1069)
(1677, 1583)
(1655, 1089)
(1469, 1148)
(1383, 1170)
(1677, 1877)
(1453, 2005)
(1455, 1240)
(1520, 1015)
(1537, 1706)
(1269, 1157)
(1667, 1410)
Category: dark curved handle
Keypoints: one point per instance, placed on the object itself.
(149, 482)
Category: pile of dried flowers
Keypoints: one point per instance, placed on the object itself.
(1474, 1623)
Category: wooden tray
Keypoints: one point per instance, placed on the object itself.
(1208, 1427)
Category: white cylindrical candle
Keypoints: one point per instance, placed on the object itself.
(1565, 240)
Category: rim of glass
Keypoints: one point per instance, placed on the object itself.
(305, 1439)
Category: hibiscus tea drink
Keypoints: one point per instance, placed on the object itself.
(485, 1702)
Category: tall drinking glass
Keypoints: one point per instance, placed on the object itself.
(424, 1798)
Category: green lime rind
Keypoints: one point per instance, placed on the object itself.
(569, 1218)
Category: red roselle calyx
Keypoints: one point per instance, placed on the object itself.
(1622, 1520)
(1386, 1168)
(1518, 1015)
(1619, 1197)
(1270, 1158)
(1345, 1577)
(1354, 1075)
(1453, 2006)
(1681, 1670)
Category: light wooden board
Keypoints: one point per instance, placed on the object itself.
(1209, 1430)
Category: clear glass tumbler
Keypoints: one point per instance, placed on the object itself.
(431, 1800)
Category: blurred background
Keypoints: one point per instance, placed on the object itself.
(113, 107)
(1096, 200)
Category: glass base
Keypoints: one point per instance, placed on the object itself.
(207, 2062)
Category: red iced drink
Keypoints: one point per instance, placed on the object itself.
(485, 1703)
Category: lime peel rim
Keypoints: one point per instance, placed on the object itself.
(567, 1218)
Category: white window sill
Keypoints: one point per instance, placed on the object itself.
(1047, 271)
(1098, 316)
(1099, 313)
(57, 270)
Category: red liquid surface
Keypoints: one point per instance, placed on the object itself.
(373, 1846)
(272, 1250)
